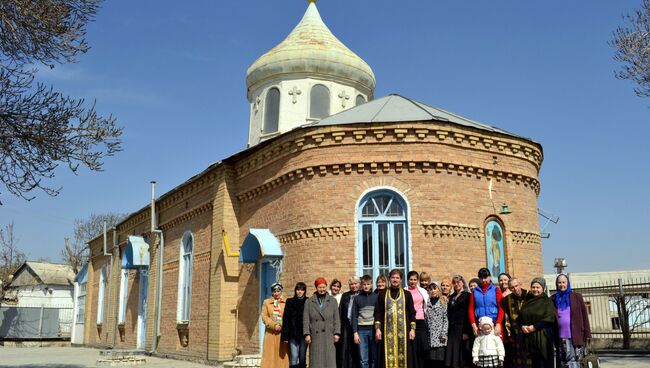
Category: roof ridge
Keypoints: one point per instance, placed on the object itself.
(381, 108)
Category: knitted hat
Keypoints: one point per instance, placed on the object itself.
(539, 280)
(320, 281)
(485, 321)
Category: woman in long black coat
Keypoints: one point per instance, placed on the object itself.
(460, 331)
(292, 330)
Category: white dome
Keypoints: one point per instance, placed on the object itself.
(313, 50)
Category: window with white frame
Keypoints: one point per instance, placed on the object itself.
(382, 228)
(100, 295)
(271, 111)
(81, 304)
(124, 280)
(185, 278)
(319, 102)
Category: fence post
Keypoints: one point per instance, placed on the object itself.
(40, 323)
(622, 315)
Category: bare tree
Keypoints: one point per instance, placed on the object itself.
(10, 256)
(40, 128)
(633, 306)
(632, 43)
(76, 254)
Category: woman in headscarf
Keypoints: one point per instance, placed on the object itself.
(292, 330)
(438, 327)
(275, 350)
(573, 322)
(504, 279)
(395, 324)
(516, 354)
(538, 321)
(445, 287)
(460, 330)
(321, 326)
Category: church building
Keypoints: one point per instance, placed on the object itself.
(334, 183)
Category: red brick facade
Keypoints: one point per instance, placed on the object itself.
(305, 186)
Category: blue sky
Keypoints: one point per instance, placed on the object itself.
(173, 73)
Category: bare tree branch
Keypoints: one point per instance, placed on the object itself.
(40, 128)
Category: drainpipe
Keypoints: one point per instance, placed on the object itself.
(159, 272)
(110, 279)
(117, 300)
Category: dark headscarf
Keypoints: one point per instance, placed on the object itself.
(562, 297)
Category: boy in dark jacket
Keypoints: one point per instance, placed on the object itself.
(363, 309)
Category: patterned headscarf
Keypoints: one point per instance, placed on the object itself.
(562, 297)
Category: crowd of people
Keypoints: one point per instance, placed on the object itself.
(425, 324)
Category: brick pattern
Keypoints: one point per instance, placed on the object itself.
(305, 187)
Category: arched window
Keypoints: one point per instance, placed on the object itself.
(494, 245)
(382, 229)
(100, 296)
(360, 100)
(319, 102)
(271, 111)
(185, 277)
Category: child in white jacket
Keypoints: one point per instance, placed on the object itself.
(488, 348)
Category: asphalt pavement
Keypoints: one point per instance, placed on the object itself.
(76, 357)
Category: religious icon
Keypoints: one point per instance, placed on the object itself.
(494, 246)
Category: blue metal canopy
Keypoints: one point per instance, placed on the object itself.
(136, 254)
(259, 243)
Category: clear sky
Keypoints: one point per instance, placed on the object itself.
(173, 73)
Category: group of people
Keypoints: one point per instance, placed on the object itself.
(427, 324)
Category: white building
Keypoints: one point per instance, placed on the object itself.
(38, 302)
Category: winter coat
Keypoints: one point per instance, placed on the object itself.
(275, 354)
(321, 325)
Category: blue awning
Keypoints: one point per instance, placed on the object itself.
(136, 253)
(259, 243)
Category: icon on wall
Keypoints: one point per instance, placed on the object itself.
(494, 246)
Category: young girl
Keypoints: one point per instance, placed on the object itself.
(488, 348)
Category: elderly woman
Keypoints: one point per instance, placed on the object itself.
(275, 350)
(516, 354)
(437, 325)
(321, 327)
(504, 279)
(537, 322)
(460, 330)
(573, 322)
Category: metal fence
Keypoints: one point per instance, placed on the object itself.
(35, 322)
(619, 310)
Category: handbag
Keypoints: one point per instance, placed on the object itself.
(589, 359)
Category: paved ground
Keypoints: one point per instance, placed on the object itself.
(56, 357)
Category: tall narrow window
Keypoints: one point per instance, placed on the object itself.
(319, 102)
(360, 100)
(494, 236)
(100, 295)
(383, 243)
(124, 280)
(81, 303)
(185, 277)
(271, 111)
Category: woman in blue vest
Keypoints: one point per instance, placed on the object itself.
(485, 301)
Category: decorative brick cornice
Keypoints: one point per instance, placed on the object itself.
(451, 230)
(187, 215)
(434, 133)
(316, 232)
(524, 237)
(388, 167)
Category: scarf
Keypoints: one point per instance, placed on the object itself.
(534, 310)
(277, 312)
(562, 297)
(395, 331)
